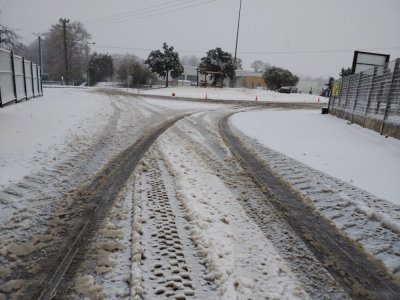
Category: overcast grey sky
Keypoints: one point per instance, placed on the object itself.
(268, 28)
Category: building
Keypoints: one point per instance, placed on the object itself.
(244, 79)
(249, 79)
(189, 75)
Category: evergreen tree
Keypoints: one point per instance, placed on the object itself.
(220, 61)
(100, 68)
(275, 78)
(345, 72)
(165, 63)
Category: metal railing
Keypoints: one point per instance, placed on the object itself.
(19, 78)
(370, 98)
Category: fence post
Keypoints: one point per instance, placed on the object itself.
(356, 96)
(32, 82)
(37, 79)
(14, 76)
(347, 95)
(24, 71)
(342, 94)
(1, 99)
(369, 94)
(41, 82)
(389, 96)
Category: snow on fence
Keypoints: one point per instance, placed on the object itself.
(19, 78)
(370, 98)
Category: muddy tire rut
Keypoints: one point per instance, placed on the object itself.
(362, 276)
(316, 280)
(78, 222)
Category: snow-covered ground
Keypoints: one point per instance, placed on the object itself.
(358, 156)
(188, 196)
(235, 249)
(233, 94)
(302, 147)
(36, 131)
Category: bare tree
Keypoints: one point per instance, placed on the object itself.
(133, 66)
(77, 51)
(10, 40)
(260, 66)
(239, 63)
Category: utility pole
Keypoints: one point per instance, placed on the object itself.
(64, 26)
(237, 39)
(88, 60)
(40, 53)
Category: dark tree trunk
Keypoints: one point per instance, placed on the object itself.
(166, 84)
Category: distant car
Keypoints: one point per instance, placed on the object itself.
(288, 89)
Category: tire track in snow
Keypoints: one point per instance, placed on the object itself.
(308, 269)
(170, 266)
(240, 260)
(98, 197)
(360, 275)
(365, 218)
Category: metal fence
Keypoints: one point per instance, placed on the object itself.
(370, 98)
(19, 78)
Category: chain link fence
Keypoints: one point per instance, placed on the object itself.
(19, 78)
(370, 98)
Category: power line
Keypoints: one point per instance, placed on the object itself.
(316, 51)
(155, 14)
(123, 48)
(129, 13)
(262, 52)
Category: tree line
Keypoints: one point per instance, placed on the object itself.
(217, 64)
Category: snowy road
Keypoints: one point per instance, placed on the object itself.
(161, 200)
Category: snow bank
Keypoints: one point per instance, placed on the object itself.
(233, 94)
(33, 132)
(351, 153)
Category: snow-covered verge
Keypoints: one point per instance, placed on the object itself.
(241, 261)
(358, 156)
(35, 132)
(233, 94)
(372, 222)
